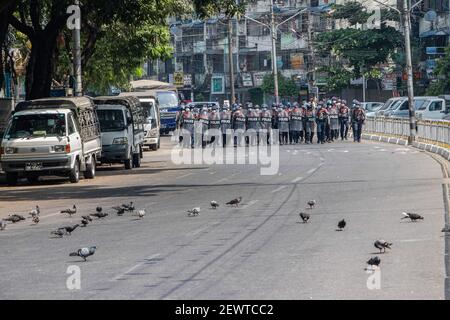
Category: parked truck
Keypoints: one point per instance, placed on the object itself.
(53, 136)
(122, 122)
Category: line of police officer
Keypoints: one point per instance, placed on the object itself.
(295, 123)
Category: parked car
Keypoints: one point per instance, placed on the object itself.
(122, 128)
(372, 106)
(401, 109)
(53, 136)
(388, 105)
(435, 108)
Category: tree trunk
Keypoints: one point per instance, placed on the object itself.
(40, 66)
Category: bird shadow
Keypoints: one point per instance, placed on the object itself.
(338, 230)
(301, 222)
(136, 219)
(373, 253)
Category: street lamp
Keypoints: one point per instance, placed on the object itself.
(273, 33)
(405, 16)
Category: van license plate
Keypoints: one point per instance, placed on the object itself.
(33, 166)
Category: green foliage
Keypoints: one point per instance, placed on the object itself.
(338, 77)
(353, 11)
(228, 8)
(286, 87)
(442, 86)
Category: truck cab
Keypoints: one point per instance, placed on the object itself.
(51, 137)
(434, 108)
(122, 130)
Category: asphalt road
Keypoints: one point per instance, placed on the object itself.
(257, 251)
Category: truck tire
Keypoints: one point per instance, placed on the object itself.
(74, 175)
(90, 169)
(11, 178)
(153, 147)
(136, 160)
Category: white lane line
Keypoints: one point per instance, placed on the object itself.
(249, 204)
(297, 180)
(184, 176)
(213, 173)
(222, 180)
(134, 268)
(278, 189)
(312, 171)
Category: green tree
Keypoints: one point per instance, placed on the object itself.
(442, 85)
(286, 87)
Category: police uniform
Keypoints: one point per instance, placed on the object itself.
(296, 123)
(252, 126)
(321, 119)
(283, 126)
(188, 127)
(203, 119)
(214, 126)
(310, 119)
(344, 114)
(358, 119)
(239, 126)
(225, 125)
(334, 122)
(266, 124)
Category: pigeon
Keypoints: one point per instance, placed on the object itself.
(84, 223)
(36, 219)
(305, 217)
(141, 213)
(120, 210)
(413, 216)
(99, 209)
(194, 212)
(342, 224)
(35, 212)
(99, 215)
(214, 204)
(70, 211)
(311, 203)
(60, 232)
(382, 245)
(128, 207)
(374, 262)
(70, 229)
(235, 202)
(88, 218)
(14, 218)
(2, 225)
(446, 229)
(84, 252)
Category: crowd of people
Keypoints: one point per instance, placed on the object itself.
(328, 120)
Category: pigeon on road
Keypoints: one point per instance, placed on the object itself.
(70, 212)
(88, 218)
(382, 245)
(99, 215)
(120, 210)
(2, 225)
(141, 213)
(375, 261)
(193, 212)
(311, 204)
(84, 223)
(14, 218)
(413, 216)
(35, 212)
(59, 232)
(214, 204)
(36, 219)
(99, 209)
(305, 217)
(84, 252)
(128, 207)
(235, 202)
(342, 224)
(70, 229)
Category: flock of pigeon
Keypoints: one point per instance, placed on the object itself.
(68, 230)
(380, 244)
(374, 262)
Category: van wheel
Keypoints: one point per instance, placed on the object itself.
(154, 147)
(136, 160)
(90, 169)
(33, 179)
(74, 176)
(159, 144)
(11, 178)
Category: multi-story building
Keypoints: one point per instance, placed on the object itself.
(200, 64)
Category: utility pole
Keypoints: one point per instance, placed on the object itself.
(312, 59)
(77, 58)
(409, 71)
(274, 34)
(230, 60)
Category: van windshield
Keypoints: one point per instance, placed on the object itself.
(37, 125)
(150, 112)
(111, 120)
(167, 99)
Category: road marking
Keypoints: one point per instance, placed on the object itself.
(222, 180)
(134, 268)
(297, 180)
(184, 176)
(279, 189)
(213, 173)
(250, 204)
(312, 171)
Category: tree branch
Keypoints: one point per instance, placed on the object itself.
(22, 27)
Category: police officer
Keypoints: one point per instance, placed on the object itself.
(203, 119)
(321, 119)
(344, 114)
(188, 126)
(225, 124)
(266, 123)
(310, 119)
(214, 125)
(358, 119)
(252, 125)
(283, 125)
(274, 116)
(334, 121)
(327, 123)
(239, 126)
(296, 123)
(178, 121)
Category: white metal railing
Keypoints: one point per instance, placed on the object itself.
(430, 131)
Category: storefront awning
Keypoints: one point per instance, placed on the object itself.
(436, 33)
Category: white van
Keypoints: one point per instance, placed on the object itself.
(433, 109)
(54, 136)
(122, 127)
